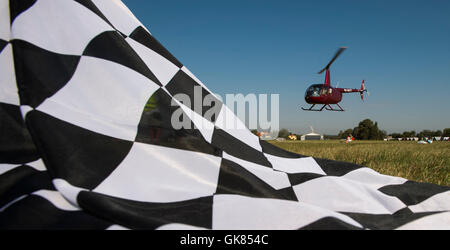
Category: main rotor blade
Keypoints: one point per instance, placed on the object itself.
(340, 50)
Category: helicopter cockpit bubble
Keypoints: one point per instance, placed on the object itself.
(314, 90)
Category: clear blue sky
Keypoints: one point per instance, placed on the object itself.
(401, 49)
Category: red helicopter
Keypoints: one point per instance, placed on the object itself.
(327, 95)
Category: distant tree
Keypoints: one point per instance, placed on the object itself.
(437, 133)
(345, 134)
(367, 130)
(396, 135)
(420, 134)
(331, 137)
(446, 132)
(426, 133)
(283, 133)
(356, 132)
(362, 132)
(375, 133)
(408, 134)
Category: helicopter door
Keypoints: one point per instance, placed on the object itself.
(325, 91)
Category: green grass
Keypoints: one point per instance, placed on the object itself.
(410, 160)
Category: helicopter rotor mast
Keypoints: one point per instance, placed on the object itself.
(327, 75)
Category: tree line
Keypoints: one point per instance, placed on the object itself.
(369, 130)
(424, 133)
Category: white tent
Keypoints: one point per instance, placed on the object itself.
(311, 136)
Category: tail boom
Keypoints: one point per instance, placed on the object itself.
(360, 90)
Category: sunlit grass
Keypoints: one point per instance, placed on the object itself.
(410, 160)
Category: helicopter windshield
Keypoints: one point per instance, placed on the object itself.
(314, 90)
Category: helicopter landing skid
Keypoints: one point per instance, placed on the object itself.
(331, 109)
(311, 108)
(326, 106)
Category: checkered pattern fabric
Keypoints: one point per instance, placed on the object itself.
(87, 95)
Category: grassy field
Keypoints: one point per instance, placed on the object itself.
(410, 160)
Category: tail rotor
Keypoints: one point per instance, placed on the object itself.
(362, 90)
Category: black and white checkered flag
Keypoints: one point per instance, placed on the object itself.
(86, 141)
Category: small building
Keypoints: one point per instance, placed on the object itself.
(311, 136)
